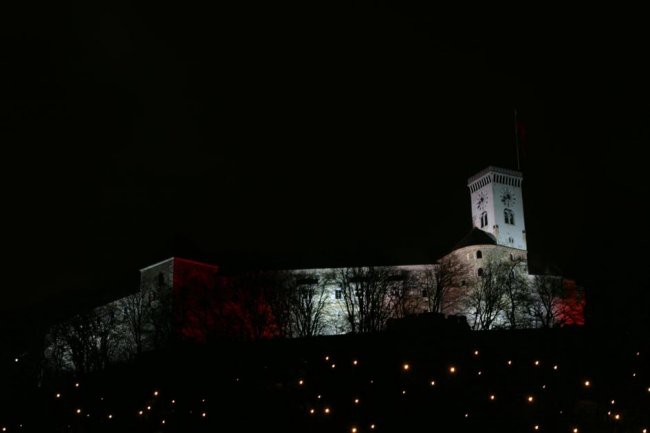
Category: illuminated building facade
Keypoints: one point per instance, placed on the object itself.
(180, 298)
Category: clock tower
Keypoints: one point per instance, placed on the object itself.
(497, 205)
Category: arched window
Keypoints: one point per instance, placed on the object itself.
(479, 254)
(480, 272)
(509, 216)
(484, 220)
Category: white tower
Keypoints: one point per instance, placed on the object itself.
(498, 205)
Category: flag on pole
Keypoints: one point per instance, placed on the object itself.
(520, 138)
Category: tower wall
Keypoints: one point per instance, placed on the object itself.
(496, 193)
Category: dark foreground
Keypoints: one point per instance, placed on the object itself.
(547, 381)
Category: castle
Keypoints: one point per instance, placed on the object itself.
(484, 278)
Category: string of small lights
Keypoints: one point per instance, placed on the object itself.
(471, 388)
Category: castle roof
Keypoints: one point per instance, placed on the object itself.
(476, 236)
(493, 169)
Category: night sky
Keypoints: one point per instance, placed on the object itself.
(288, 135)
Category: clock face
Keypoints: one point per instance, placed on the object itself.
(481, 200)
(507, 197)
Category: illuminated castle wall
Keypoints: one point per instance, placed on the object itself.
(194, 300)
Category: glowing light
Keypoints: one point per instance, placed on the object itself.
(78, 411)
(617, 417)
(613, 401)
(555, 367)
(173, 401)
(155, 393)
(355, 362)
(433, 383)
(148, 407)
(536, 363)
(16, 360)
(333, 365)
(543, 386)
(318, 396)
(140, 412)
(466, 415)
(403, 392)
(536, 427)
(492, 397)
(575, 430)
(480, 373)
(372, 427)
(452, 369)
(76, 385)
(645, 430)
(587, 383)
(300, 382)
(110, 416)
(476, 353)
(204, 414)
(327, 358)
(356, 401)
(58, 395)
(530, 399)
(354, 430)
(633, 374)
(312, 411)
(327, 410)
(162, 422)
(406, 367)
(509, 362)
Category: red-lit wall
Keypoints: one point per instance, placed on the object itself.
(572, 306)
(211, 306)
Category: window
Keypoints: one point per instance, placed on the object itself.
(480, 272)
(484, 220)
(479, 254)
(509, 216)
(338, 293)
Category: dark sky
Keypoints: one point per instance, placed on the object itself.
(306, 135)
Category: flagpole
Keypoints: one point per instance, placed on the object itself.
(517, 140)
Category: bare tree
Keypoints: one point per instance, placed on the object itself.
(547, 304)
(443, 284)
(307, 297)
(87, 340)
(405, 295)
(252, 296)
(511, 276)
(365, 293)
(136, 315)
(162, 317)
(486, 300)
